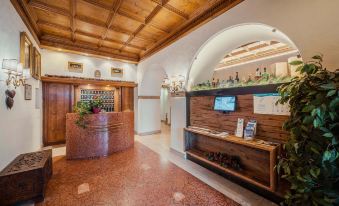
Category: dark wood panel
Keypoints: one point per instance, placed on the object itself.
(127, 99)
(202, 115)
(57, 102)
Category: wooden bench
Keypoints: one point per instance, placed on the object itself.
(25, 178)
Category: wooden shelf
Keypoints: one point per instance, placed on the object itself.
(199, 155)
(234, 139)
(257, 159)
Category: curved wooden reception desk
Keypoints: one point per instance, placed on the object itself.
(105, 134)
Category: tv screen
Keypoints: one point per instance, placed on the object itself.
(226, 103)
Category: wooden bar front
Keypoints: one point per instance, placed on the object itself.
(105, 134)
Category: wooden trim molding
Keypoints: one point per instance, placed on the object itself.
(78, 81)
(148, 97)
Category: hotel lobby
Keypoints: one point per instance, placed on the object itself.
(169, 102)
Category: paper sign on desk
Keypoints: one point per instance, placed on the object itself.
(266, 104)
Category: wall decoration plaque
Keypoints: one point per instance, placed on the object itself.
(28, 92)
(75, 67)
(97, 73)
(117, 72)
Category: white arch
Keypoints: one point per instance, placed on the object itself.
(151, 79)
(223, 42)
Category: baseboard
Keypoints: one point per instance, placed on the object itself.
(181, 154)
(149, 133)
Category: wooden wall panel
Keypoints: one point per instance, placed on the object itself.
(57, 102)
(127, 99)
(202, 115)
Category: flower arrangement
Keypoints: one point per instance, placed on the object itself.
(84, 108)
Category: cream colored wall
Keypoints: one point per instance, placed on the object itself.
(56, 63)
(20, 127)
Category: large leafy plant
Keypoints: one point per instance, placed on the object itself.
(311, 160)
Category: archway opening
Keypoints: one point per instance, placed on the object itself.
(233, 49)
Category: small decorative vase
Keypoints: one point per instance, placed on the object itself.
(96, 110)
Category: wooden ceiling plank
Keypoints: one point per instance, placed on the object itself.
(61, 42)
(25, 19)
(127, 15)
(30, 17)
(72, 18)
(57, 26)
(64, 28)
(49, 8)
(148, 19)
(109, 21)
(171, 9)
(195, 21)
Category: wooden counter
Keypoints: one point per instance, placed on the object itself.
(105, 134)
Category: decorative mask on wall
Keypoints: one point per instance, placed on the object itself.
(10, 98)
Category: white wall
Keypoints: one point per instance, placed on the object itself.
(148, 116)
(56, 63)
(310, 24)
(165, 104)
(20, 127)
(178, 113)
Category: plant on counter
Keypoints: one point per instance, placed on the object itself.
(311, 161)
(85, 108)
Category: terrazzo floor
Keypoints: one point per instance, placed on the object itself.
(137, 176)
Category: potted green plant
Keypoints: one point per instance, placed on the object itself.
(96, 104)
(311, 159)
(84, 108)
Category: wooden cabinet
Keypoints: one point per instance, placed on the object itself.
(57, 102)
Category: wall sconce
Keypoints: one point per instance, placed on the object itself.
(16, 74)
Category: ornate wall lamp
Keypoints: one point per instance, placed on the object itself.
(16, 74)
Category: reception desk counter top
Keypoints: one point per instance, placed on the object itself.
(105, 134)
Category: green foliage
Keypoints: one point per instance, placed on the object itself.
(82, 108)
(311, 161)
(97, 102)
(85, 108)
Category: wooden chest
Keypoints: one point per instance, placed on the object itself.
(25, 178)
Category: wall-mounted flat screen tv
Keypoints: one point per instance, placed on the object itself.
(225, 103)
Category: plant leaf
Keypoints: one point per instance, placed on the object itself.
(331, 93)
(295, 63)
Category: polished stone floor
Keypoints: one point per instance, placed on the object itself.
(137, 176)
(160, 144)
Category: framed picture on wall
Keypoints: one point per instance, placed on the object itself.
(97, 74)
(75, 67)
(28, 92)
(36, 71)
(26, 49)
(117, 72)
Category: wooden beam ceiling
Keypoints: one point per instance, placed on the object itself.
(120, 29)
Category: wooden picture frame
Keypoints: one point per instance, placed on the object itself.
(26, 50)
(117, 72)
(75, 67)
(36, 70)
(28, 92)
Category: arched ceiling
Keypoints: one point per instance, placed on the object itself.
(210, 54)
